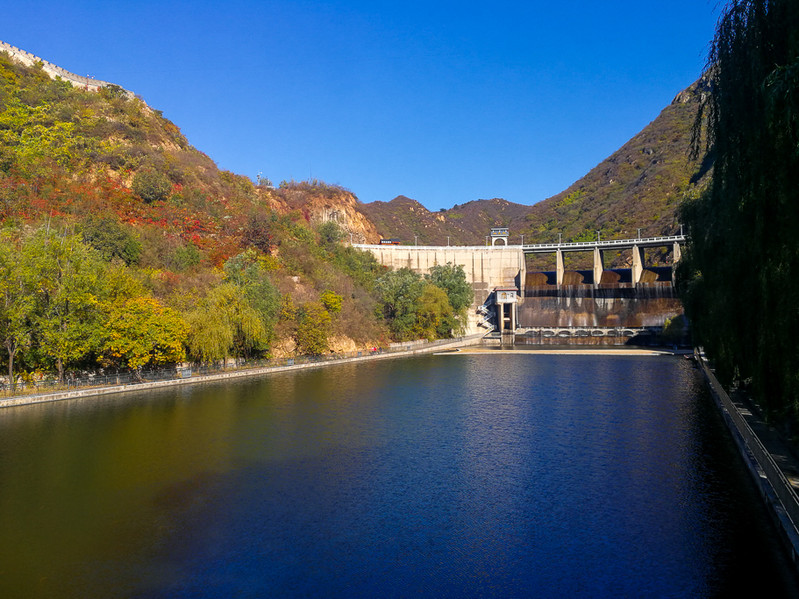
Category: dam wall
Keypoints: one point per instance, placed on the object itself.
(486, 267)
(606, 305)
(615, 311)
(621, 299)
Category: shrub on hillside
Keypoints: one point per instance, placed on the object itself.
(151, 185)
(111, 239)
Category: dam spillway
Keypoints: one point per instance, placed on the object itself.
(606, 305)
(642, 296)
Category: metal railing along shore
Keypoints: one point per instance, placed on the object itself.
(774, 475)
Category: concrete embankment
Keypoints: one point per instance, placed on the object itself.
(772, 464)
(570, 351)
(413, 349)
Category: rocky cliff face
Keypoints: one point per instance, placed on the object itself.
(322, 203)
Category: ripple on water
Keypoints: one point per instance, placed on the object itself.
(501, 475)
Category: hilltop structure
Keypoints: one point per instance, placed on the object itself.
(55, 71)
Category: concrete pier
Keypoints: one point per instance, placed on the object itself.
(638, 263)
(486, 267)
(599, 265)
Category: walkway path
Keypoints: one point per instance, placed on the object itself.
(770, 458)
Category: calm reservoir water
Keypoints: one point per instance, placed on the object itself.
(442, 476)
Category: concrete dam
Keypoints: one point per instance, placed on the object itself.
(596, 305)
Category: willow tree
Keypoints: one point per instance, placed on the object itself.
(740, 277)
(224, 325)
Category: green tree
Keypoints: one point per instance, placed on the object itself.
(739, 278)
(330, 234)
(68, 279)
(33, 135)
(331, 301)
(361, 266)
(185, 256)
(224, 324)
(398, 293)
(288, 311)
(111, 239)
(313, 329)
(16, 304)
(452, 279)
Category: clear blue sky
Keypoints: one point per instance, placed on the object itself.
(444, 102)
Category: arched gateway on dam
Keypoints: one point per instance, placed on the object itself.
(509, 298)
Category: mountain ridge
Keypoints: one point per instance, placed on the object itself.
(640, 185)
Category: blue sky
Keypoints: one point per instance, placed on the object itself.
(444, 102)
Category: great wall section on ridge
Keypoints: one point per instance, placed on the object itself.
(54, 71)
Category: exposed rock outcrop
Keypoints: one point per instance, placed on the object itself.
(321, 203)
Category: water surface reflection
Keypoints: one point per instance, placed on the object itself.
(504, 475)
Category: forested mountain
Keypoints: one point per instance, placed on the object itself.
(123, 246)
(640, 186)
(406, 219)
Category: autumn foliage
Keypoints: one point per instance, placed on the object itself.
(126, 248)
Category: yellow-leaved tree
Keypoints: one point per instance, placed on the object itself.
(142, 332)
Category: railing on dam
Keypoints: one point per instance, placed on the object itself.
(608, 244)
(541, 248)
(439, 248)
(490, 267)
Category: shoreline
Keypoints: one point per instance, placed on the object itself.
(467, 345)
(770, 462)
(23, 400)
(560, 351)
